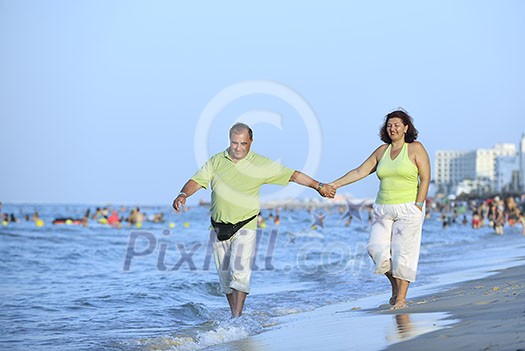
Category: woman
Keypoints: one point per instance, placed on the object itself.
(403, 168)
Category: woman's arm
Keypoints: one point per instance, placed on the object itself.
(325, 190)
(366, 168)
(423, 165)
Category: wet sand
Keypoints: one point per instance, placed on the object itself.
(490, 314)
(481, 314)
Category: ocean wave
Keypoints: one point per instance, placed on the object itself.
(72, 279)
(191, 312)
(207, 288)
(220, 332)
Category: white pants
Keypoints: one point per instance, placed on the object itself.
(234, 259)
(395, 239)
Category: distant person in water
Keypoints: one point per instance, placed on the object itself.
(235, 176)
(136, 217)
(403, 168)
(114, 219)
(521, 220)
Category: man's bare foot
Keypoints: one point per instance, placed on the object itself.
(399, 305)
(392, 300)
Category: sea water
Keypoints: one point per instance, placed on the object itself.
(154, 287)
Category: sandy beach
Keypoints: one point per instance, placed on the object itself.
(480, 314)
(490, 314)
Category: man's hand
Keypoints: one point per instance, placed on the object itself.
(179, 202)
(327, 190)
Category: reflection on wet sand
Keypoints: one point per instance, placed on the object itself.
(409, 325)
(404, 326)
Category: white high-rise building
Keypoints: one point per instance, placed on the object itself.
(451, 168)
(454, 167)
(522, 163)
(486, 160)
(507, 174)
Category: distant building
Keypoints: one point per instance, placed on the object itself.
(451, 168)
(522, 163)
(473, 187)
(507, 174)
(480, 171)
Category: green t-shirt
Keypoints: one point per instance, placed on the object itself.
(235, 186)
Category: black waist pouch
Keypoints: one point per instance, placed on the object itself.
(225, 231)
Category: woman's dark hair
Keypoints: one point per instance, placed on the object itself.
(411, 134)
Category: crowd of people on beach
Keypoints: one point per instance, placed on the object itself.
(494, 212)
(102, 215)
(117, 218)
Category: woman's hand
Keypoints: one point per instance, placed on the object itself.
(327, 190)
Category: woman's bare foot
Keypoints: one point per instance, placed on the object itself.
(399, 305)
(393, 283)
(392, 300)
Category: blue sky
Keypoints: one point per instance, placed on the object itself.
(114, 101)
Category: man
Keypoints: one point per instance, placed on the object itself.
(236, 176)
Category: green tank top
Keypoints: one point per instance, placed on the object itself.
(399, 178)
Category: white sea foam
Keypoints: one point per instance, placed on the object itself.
(223, 332)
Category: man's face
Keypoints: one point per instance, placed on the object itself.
(240, 144)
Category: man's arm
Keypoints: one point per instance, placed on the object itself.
(325, 190)
(187, 190)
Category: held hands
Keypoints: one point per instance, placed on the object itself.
(326, 190)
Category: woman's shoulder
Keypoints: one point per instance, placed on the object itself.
(382, 147)
(416, 143)
(380, 150)
(416, 146)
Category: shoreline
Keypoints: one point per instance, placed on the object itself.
(483, 311)
(489, 312)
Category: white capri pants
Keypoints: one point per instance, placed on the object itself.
(233, 260)
(395, 239)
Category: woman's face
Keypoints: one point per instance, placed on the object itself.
(396, 129)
